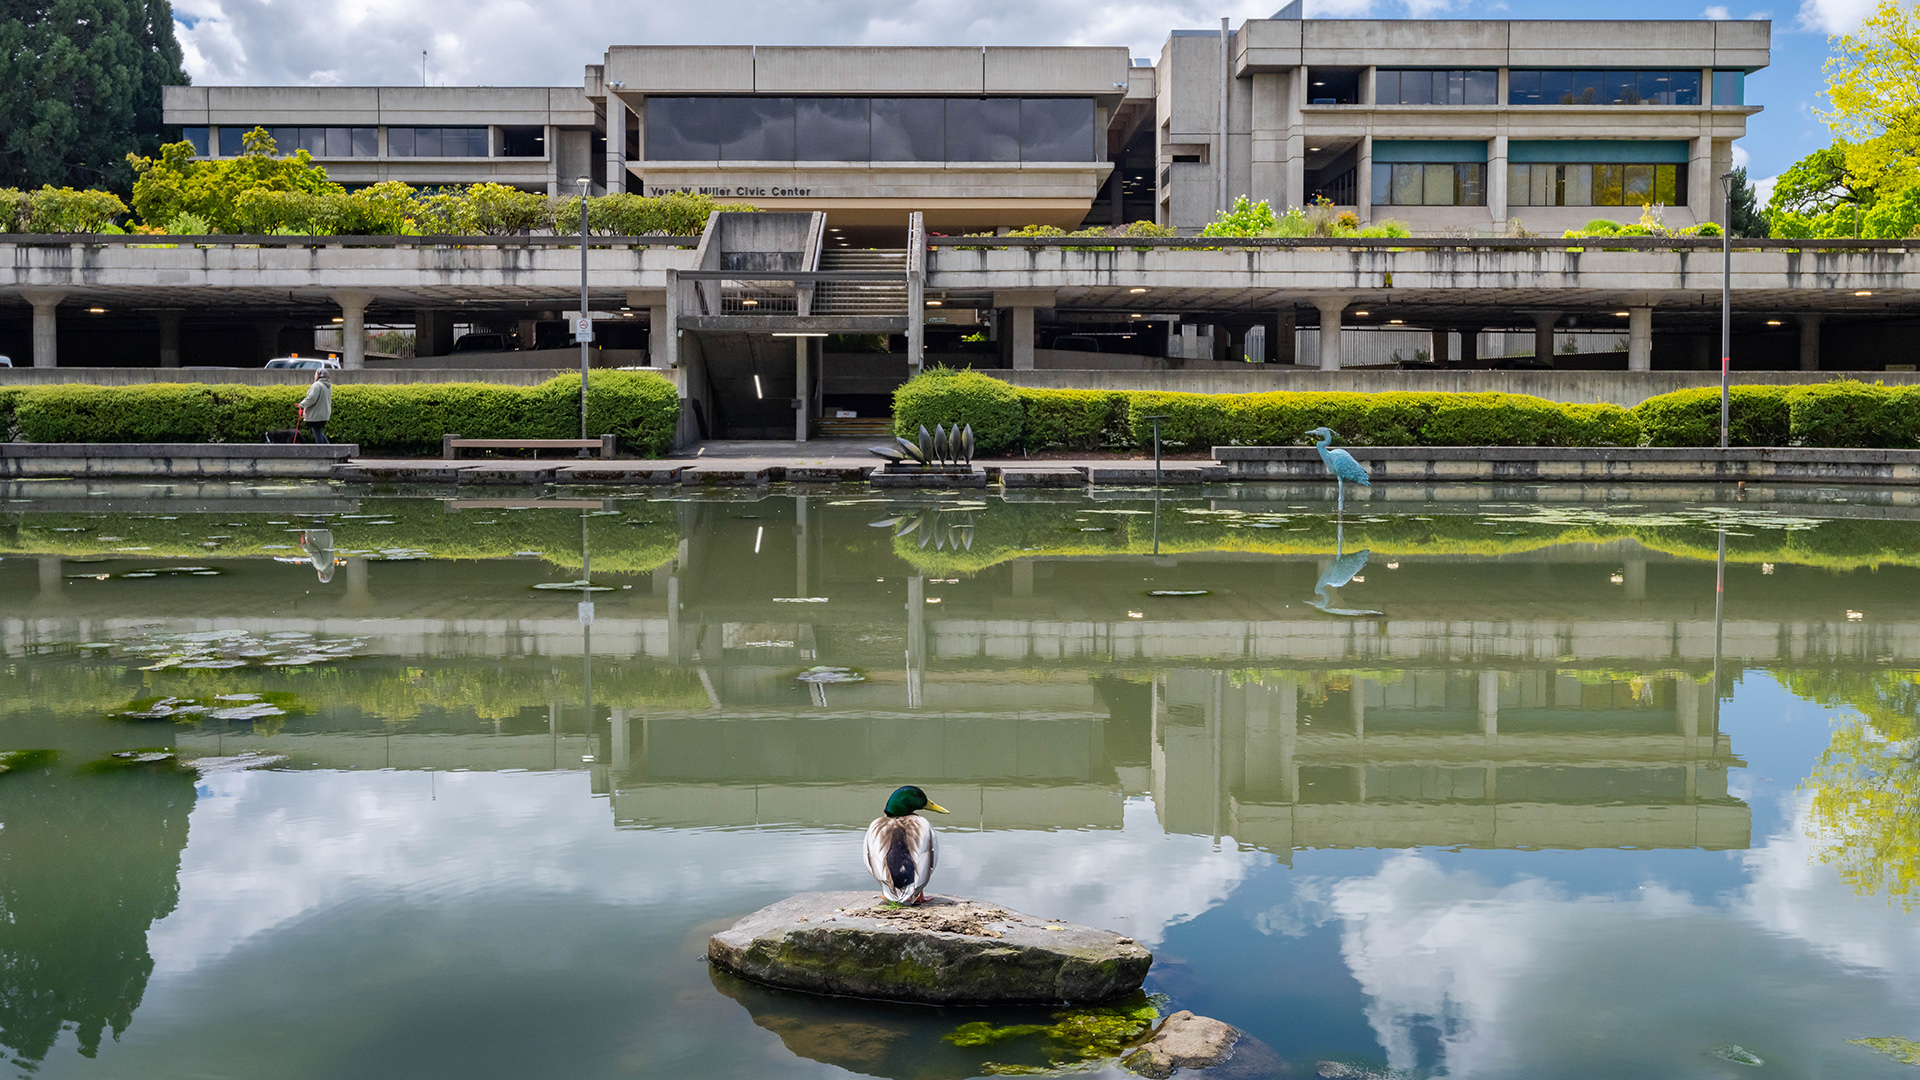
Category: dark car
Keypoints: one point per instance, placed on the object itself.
(481, 342)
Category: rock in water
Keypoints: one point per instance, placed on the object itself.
(1184, 1041)
(946, 951)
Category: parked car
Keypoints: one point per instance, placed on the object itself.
(304, 363)
(6, 361)
(481, 342)
(1076, 343)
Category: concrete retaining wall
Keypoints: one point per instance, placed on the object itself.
(185, 461)
(1626, 388)
(1598, 465)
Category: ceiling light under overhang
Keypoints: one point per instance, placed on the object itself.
(1137, 289)
(1863, 292)
(1773, 322)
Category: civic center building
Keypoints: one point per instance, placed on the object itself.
(1447, 125)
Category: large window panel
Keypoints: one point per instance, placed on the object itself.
(1056, 129)
(1407, 182)
(1469, 185)
(910, 129)
(1686, 87)
(233, 140)
(679, 129)
(1576, 185)
(1637, 185)
(1589, 88)
(755, 128)
(1386, 87)
(196, 137)
(399, 142)
(1620, 88)
(1729, 88)
(1483, 87)
(1382, 184)
(1556, 87)
(831, 129)
(365, 142)
(426, 142)
(983, 129)
(1607, 185)
(1664, 188)
(1438, 186)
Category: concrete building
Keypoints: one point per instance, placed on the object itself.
(1450, 125)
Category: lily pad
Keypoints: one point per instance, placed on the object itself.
(1905, 1051)
(1739, 1055)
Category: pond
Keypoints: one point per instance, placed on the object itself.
(298, 781)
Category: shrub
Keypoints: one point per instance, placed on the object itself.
(9, 400)
(1073, 419)
(1854, 414)
(946, 396)
(1756, 416)
(641, 408)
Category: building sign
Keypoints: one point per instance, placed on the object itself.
(742, 192)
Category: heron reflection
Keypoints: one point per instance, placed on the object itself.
(1338, 573)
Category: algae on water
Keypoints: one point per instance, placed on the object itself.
(1905, 1051)
(1076, 1035)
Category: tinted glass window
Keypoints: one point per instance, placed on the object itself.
(197, 138)
(1483, 87)
(1386, 88)
(1729, 88)
(1637, 185)
(233, 141)
(983, 129)
(1620, 88)
(831, 129)
(1589, 88)
(909, 129)
(1686, 88)
(1382, 184)
(1056, 129)
(426, 142)
(365, 142)
(1523, 87)
(682, 129)
(339, 143)
(399, 142)
(755, 129)
(1606, 185)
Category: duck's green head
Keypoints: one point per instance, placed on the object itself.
(906, 800)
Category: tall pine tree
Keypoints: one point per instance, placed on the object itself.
(80, 89)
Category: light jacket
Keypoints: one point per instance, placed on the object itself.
(317, 406)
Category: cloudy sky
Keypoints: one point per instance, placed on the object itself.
(515, 42)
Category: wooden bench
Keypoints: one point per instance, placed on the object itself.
(451, 445)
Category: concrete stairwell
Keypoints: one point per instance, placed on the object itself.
(881, 298)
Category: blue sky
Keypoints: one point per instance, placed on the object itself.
(519, 43)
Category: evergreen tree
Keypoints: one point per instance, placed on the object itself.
(80, 85)
(1744, 216)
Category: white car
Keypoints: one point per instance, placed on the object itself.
(6, 361)
(304, 363)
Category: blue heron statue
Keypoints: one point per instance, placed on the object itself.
(1339, 463)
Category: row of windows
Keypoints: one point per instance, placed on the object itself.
(1453, 184)
(869, 129)
(1596, 185)
(1422, 87)
(340, 142)
(1464, 184)
(1590, 87)
(1657, 87)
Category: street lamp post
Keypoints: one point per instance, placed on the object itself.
(583, 332)
(1726, 302)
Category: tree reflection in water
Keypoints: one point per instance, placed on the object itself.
(87, 864)
(1866, 786)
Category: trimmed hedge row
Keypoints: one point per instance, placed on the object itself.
(640, 408)
(1007, 418)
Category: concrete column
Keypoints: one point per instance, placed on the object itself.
(46, 327)
(1363, 177)
(1702, 186)
(432, 333)
(1442, 345)
(1022, 338)
(1489, 703)
(1810, 342)
(1543, 334)
(800, 393)
(622, 742)
(267, 334)
(169, 320)
(1330, 309)
(1357, 707)
(800, 547)
(1469, 345)
(1686, 706)
(358, 593)
(616, 144)
(1023, 577)
(1633, 576)
(1285, 345)
(353, 328)
(659, 336)
(552, 144)
(1295, 158)
(1640, 339)
(1497, 180)
(52, 579)
(916, 640)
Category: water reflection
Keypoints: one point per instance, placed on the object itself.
(1135, 716)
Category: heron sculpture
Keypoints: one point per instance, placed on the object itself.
(1339, 463)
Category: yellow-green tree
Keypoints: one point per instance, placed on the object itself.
(1866, 786)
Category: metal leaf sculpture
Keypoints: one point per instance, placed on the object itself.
(966, 445)
(911, 448)
(940, 444)
(925, 445)
(889, 452)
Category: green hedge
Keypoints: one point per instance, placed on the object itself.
(640, 407)
(1009, 418)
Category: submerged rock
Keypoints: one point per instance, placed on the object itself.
(946, 951)
(1184, 1041)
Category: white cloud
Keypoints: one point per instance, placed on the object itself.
(1717, 11)
(1833, 16)
(1763, 190)
(1740, 156)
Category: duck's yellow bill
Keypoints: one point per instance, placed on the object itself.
(937, 808)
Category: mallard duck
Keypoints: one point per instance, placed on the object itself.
(900, 846)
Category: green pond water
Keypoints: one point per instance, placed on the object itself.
(306, 781)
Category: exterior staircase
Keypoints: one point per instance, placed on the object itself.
(881, 298)
(865, 427)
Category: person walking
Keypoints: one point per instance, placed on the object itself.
(317, 407)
